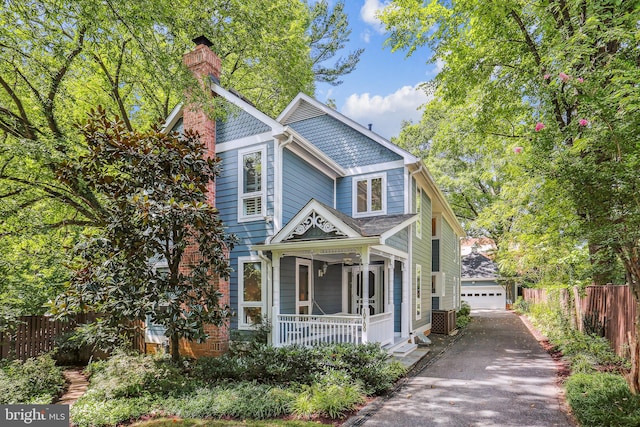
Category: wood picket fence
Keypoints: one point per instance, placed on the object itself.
(35, 335)
(608, 310)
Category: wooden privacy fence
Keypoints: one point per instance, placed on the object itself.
(606, 310)
(35, 335)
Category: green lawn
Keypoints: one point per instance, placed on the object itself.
(171, 422)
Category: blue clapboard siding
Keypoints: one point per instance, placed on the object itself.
(300, 183)
(400, 240)
(238, 124)
(288, 285)
(343, 195)
(250, 232)
(327, 290)
(348, 147)
(395, 192)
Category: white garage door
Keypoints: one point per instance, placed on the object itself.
(488, 297)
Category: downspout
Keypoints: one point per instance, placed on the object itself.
(269, 289)
(408, 271)
(277, 203)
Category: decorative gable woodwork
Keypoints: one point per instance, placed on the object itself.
(314, 226)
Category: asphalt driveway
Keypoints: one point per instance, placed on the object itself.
(495, 375)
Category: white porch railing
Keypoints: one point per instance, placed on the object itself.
(309, 330)
(381, 328)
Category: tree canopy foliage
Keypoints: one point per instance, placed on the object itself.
(60, 59)
(561, 77)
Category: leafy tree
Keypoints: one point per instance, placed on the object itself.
(574, 67)
(155, 187)
(328, 33)
(485, 175)
(59, 59)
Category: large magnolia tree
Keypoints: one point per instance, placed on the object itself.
(155, 192)
(573, 67)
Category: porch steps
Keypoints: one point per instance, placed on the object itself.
(403, 349)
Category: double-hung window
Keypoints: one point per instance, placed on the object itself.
(251, 180)
(369, 195)
(251, 295)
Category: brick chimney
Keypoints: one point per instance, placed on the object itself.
(205, 65)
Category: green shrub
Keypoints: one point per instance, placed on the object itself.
(136, 375)
(240, 400)
(602, 399)
(521, 306)
(93, 410)
(37, 380)
(266, 364)
(465, 309)
(582, 364)
(329, 400)
(368, 364)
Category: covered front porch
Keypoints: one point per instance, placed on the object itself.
(333, 284)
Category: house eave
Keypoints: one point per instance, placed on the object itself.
(389, 233)
(408, 157)
(311, 245)
(436, 196)
(310, 153)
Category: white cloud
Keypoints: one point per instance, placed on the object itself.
(386, 113)
(366, 36)
(368, 13)
(435, 69)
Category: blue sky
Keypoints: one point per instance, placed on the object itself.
(382, 89)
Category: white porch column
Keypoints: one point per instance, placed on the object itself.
(275, 325)
(406, 304)
(364, 311)
(389, 306)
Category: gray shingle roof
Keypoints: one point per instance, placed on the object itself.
(371, 226)
(478, 265)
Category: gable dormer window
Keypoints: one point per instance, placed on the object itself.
(252, 182)
(369, 197)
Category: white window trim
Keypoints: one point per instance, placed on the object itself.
(262, 149)
(354, 195)
(438, 218)
(440, 283)
(419, 286)
(419, 222)
(241, 303)
(309, 264)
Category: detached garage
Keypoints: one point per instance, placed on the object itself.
(481, 296)
(479, 286)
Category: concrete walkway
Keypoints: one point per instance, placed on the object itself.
(496, 374)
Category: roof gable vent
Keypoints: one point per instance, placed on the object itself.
(302, 112)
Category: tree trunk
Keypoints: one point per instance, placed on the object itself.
(633, 377)
(175, 348)
(632, 268)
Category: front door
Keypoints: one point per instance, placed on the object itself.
(304, 287)
(354, 289)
